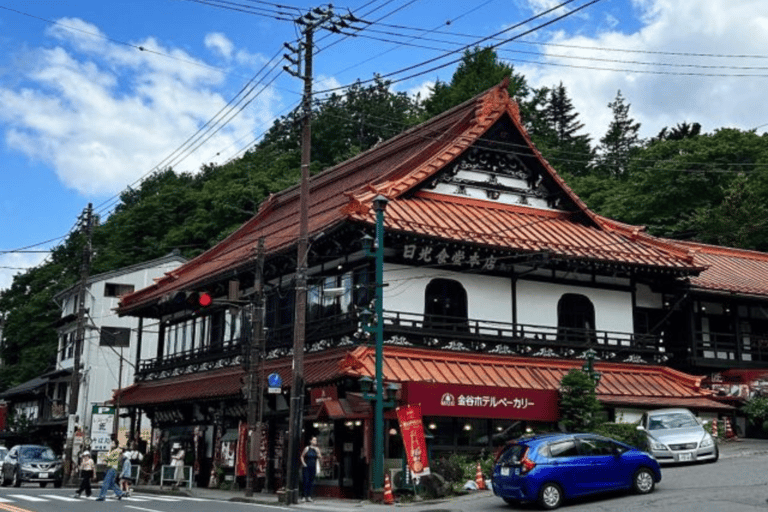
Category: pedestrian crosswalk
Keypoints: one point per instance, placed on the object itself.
(36, 498)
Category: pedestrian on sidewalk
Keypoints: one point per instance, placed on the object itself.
(177, 460)
(112, 459)
(87, 472)
(310, 459)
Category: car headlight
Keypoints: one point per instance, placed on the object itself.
(27, 467)
(707, 441)
(655, 445)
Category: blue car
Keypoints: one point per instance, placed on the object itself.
(554, 467)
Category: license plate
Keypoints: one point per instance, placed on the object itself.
(504, 471)
(685, 456)
(43, 475)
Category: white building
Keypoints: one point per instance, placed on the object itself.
(112, 345)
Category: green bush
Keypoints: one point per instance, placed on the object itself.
(624, 432)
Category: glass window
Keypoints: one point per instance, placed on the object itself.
(575, 319)
(117, 289)
(445, 305)
(565, 448)
(115, 337)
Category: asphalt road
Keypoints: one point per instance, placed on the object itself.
(735, 484)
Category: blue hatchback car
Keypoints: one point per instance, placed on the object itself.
(551, 468)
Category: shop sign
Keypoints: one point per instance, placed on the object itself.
(466, 401)
(412, 429)
(102, 427)
(320, 395)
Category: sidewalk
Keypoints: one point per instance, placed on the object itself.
(728, 449)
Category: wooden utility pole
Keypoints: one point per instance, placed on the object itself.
(313, 20)
(256, 371)
(86, 227)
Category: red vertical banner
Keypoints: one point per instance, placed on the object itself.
(412, 429)
(241, 455)
(261, 466)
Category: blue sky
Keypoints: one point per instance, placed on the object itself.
(84, 112)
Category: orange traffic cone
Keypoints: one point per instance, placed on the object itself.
(714, 428)
(479, 478)
(389, 499)
(728, 430)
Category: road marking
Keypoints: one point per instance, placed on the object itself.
(59, 497)
(11, 508)
(26, 497)
(142, 508)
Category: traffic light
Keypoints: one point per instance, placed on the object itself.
(194, 300)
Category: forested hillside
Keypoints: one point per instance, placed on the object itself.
(710, 187)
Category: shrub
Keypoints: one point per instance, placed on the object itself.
(624, 432)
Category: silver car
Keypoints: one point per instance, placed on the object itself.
(676, 435)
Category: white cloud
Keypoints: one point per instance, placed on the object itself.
(423, 90)
(16, 263)
(219, 43)
(678, 87)
(103, 114)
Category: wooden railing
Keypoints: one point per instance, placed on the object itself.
(428, 330)
(723, 347)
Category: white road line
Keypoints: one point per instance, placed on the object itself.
(142, 508)
(26, 497)
(3, 500)
(60, 497)
(159, 498)
(135, 498)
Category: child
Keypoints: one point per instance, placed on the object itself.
(87, 471)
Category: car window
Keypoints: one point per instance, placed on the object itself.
(592, 446)
(512, 454)
(565, 448)
(672, 420)
(37, 452)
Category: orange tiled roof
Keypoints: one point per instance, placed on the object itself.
(319, 367)
(729, 270)
(396, 168)
(621, 383)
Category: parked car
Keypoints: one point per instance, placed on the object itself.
(32, 463)
(554, 467)
(3, 453)
(676, 435)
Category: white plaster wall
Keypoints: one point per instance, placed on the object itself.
(537, 305)
(488, 297)
(628, 415)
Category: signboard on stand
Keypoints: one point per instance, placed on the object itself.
(102, 427)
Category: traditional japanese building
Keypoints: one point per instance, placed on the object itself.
(497, 280)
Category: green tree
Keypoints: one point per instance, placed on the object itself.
(621, 140)
(479, 69)
(579, 407)
(556, 133)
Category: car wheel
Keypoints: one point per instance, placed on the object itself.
(717, 455)
(16, 481)
(550, 496)
(642, 482)
(57, 484)
(43, 484)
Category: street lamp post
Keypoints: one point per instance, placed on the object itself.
(589, 368)
(379, 205)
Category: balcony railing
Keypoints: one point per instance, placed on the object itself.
(720, 348)
(428, 331)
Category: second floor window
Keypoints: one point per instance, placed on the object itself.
(445, 305)
(575, 319)
(117, 289)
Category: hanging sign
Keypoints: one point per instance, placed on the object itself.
(274, 383)
(412, 429)
(102, 428)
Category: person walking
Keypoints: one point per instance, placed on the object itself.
(87, 472)
(310, 459)
(112, 459)
(125, 473)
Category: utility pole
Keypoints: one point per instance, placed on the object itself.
(256, 371)
(313, 20)
(86, 227)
